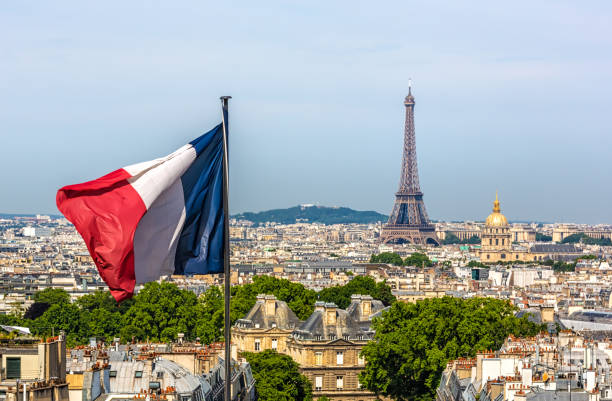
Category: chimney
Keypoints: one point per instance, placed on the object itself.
(330, 313)
(366, 307)
(270, 302)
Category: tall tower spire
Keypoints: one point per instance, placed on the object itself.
(408, 221)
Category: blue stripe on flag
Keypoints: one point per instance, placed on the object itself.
(200, 245)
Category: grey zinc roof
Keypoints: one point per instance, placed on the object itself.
(557, 396)
(554, 248)
(283, 318)
(355, 307)
(171, 374)
(315, 328)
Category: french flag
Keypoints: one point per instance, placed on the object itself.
(155, 218)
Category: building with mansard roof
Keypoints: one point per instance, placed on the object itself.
(268, 325)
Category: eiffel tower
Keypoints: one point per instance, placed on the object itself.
(408, 223)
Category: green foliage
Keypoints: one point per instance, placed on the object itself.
(161, 311)
(363, 285)
(418, 259)
(52, 296)
(475, 263)
(585, 239)
(543, 237)
(390, 258)
(60, 316)
(414, 342)
(300, 299)
(596, 241)
(314, 214)
(277, 377)
(451, 238)
(324, 398)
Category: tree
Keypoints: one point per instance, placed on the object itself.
(52, 296)
(160, 312)
(103, 300)
(210, 323)
(300, 299)
(418, 259)
(390, 258)
(414, 342)
(450, 239)
(277, 377)
(543, 237)
(61, 316)
(475, 263)
(572, 239)
(363, 285)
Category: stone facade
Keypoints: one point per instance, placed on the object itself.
(326, 345)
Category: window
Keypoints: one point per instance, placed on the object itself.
(490, 241)
(274, 343)
(154, 385)
(13, 368)
(360, 360)
(160, 374)
(503, 256)
(503, 241)
(318, 358)
(257, 344)
(517, 256)
(332, 337)
(339, 358)
(138, 374)
(496, 241)
(488, 256)
(318, 383)
(339, 382)
(112, 373)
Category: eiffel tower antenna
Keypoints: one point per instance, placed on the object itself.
(408, 222)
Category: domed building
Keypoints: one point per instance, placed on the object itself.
(496, 244)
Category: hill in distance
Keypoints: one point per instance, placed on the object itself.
(313, 214)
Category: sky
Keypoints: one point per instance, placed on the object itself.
(511, 97)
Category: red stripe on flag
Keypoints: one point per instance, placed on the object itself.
(106, 212)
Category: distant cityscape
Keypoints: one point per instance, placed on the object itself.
(538, 295)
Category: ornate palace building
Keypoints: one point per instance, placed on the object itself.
(268, 325)
(326, 345)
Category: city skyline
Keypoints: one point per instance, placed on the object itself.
(508, 99)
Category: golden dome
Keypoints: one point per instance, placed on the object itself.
(496, 219)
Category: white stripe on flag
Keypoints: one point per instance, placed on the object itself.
(157, 235)
(152, 178)
(158, 182)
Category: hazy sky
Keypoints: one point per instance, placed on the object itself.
(511, 96)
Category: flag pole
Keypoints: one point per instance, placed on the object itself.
(226, 252)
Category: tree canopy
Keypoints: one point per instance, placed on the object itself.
(159, 312)
(363, 285)
(414, 342)
(390, 258)
(418, 259)
(451, 238)
(277, 377)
